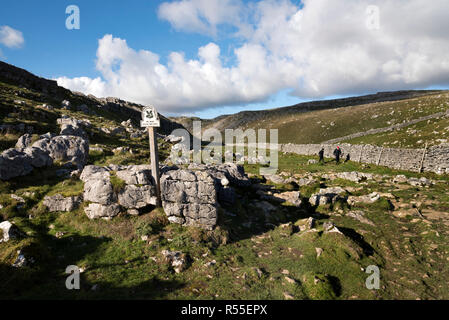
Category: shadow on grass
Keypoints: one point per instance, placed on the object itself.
(45, 278)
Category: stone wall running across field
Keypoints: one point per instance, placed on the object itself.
(433, 159)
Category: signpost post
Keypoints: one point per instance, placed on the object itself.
(150, 120)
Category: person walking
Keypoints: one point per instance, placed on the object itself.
(337, 154)
(321, 154)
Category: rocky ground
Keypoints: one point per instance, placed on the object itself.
(76, 189)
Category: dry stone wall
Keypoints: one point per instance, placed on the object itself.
(436, 158)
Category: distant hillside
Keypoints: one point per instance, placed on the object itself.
(319, 121)
(41, 90)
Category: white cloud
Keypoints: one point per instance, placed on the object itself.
(201, 16)
(10, 37)
(321, 50)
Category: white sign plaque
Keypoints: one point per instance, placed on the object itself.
(150, 118)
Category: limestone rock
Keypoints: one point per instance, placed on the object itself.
(94, 173)
(99, 191)
(96, 210)
(24, 141)
(294, 197)
(8, 231)
(326, 196)
(134, 197)
(66, 148)
(190, 198)
(14, 163)
(176, 259)
(140, 174)
(58, 203)
(370, 198)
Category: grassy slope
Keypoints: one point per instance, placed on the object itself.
(315, 126)
(319, 126)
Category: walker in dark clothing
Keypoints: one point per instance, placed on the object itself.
(321, 154)
(337, 154)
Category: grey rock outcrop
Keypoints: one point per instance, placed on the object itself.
(58, 203)
(17, 163)
(72, 149)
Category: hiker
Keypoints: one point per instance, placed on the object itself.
(348, 158)
(337, 154)
(321, 154)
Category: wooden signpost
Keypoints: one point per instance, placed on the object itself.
(150, 120)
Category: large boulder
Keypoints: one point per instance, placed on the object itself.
(58, 203)
(66, 148)
(14, 163)
(99, 191)
(96, 210)
(39, 158)
(190, 198)
(72, 127)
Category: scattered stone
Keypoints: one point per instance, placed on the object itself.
(354, 176)
(370, 198)
(276, 179)
(360, 216)
(133, 212)
(21, 260)
(290, 280)
(8, 231)
(400, 179)
(319, 252)
(293, 197)
(288, 296)
(327, 196)
(329, 227)
(176, 259)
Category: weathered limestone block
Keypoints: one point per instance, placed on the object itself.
(58, 203)
(99, 191)
(134, 197)
(96, 210)
(140, 174)
(66, 148)
(190, 198)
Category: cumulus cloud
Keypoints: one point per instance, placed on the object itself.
(203, 16)
(319, 49)
(10, 37)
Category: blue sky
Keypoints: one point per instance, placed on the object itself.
(258, 58)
